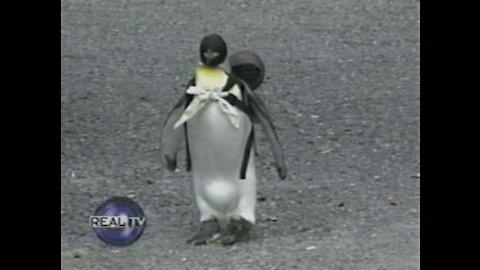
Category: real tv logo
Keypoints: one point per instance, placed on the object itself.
(117, 221)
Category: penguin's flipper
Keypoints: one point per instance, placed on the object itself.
(173, 138)
(261, 115)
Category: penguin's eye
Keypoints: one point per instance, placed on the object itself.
(210, 55)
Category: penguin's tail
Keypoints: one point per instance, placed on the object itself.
(248, 66)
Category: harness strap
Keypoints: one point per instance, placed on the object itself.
(231, 81)
(246, 154)
(234, 101)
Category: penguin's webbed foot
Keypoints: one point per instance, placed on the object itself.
(240, 228)
(237, 230)
(171, 163)
(225, 239)
(208, 230)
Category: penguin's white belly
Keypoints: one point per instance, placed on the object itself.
(217, 149)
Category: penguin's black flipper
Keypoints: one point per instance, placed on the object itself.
(173, 138)
(260, 114)
(259, 104)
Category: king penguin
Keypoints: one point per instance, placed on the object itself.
(215, 118)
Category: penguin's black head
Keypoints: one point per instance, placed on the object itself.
(213, 50)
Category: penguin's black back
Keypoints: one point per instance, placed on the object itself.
(248, 66)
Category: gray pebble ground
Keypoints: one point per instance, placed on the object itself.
(343, 84)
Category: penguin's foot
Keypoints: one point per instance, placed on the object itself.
(237, 230)
(208, 230)
(225, 239)
(240, 228)
(171, 163)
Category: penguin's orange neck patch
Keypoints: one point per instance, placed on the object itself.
(210, 77)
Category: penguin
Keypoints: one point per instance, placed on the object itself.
(215, 117)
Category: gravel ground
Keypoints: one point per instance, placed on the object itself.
(343, 83)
